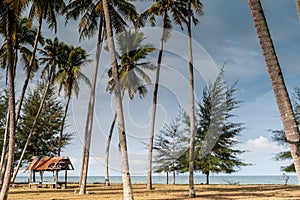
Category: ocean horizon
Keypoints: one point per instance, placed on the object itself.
(180, 179)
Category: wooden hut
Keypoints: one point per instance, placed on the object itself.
(51, 164)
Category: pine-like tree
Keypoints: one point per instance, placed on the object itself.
(168, 148)
(215, 132)
(44, 141)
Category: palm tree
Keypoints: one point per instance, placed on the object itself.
(132, 77)
(178, 13)
(51, 58)
(196, 6)
(298, 8)
(92, 11)
(68, 77)
(127, 188)
(277, 80)
(44, 10)
(8, 15)
(23, 37)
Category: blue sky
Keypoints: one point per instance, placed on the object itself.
(225, 34)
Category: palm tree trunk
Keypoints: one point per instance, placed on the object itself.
(33, 124)
(127, 188)
(3, 169)
(90, 115)
(298, 8)
(21, 99)
(192, 192)
(4, 147)
(62, 129)
(111, 130)
(29, 70)
(150, 148)
(279, 88)
(63, 123)
(36, 40)
(107, 183)
(20, 102)
(11, 105)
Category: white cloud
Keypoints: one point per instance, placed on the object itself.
(261, 143)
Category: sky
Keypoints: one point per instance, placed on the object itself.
(225, 34)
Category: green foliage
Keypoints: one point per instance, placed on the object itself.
(122, 14)
(69, 73)
(131, 54)
(44, 139)
(170, 11)
(215, 132)
(169, 148)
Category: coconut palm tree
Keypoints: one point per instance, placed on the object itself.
(133, 79)
(196, 6)
(68, 76)
(277, 80)
(22, 39)
(51, 58)
(166, 9)
(44, 10)
(92, 12)
(298, 8)
(25, 37)
(8, 15)
(127, 188)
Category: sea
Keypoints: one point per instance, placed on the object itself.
(214, 179)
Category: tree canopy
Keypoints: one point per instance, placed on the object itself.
(44, 141)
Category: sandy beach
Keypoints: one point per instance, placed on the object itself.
(166, 192)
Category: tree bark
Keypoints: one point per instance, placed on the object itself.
(90, 115)
(63, 123)
(38, 33)
(150, 148)
(107, 183)
(11, 105)
(62, 128)
(127, 188)
(207, 178)
(192, 193)
(298, 8)
(50, 80)
(4, 147)
(277, 80)
(174, 177)
(167, 178)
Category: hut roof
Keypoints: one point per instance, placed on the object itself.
(50, 164)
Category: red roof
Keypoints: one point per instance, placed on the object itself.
(50, 164)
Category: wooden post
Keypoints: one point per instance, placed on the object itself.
(54, 179)
(41, 179)
(33, 177)
(66, 179)
(30, 176)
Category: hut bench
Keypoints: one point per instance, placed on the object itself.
(47, 184)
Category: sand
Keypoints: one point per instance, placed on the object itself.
(166, 192)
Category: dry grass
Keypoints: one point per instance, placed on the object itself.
(166, 192)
